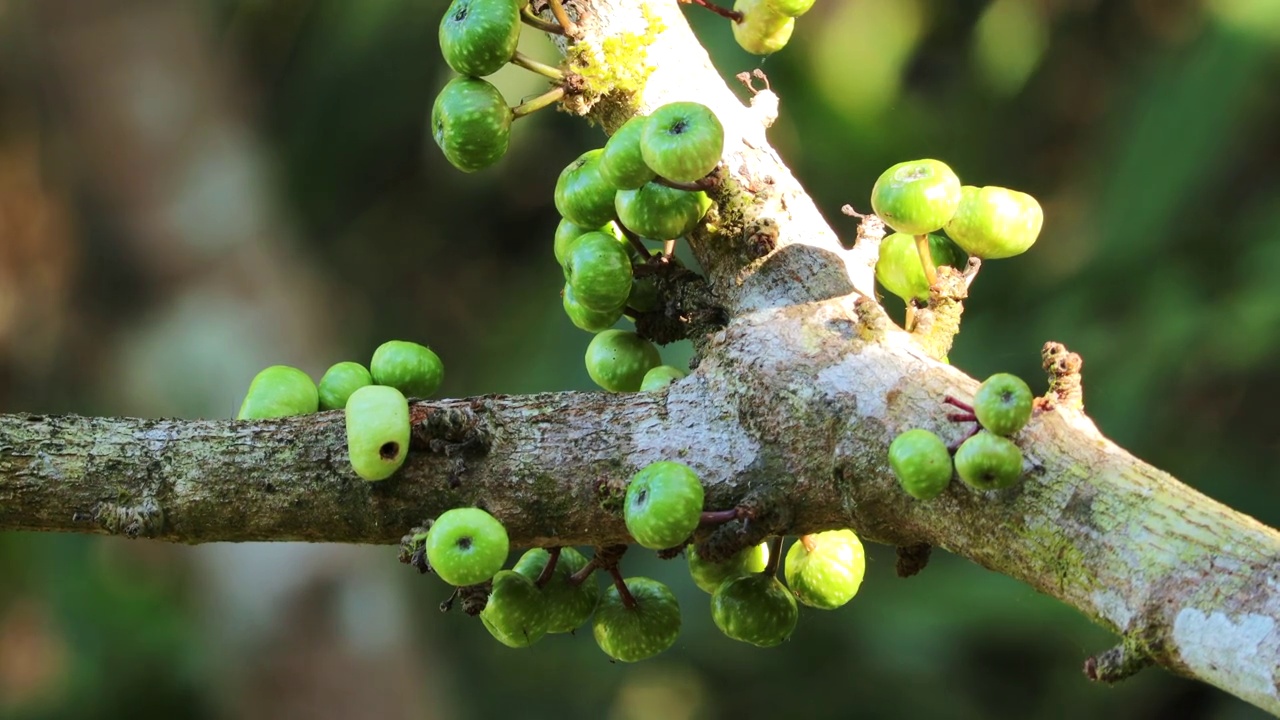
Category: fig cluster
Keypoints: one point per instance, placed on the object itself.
(374, 400)
(638, 187)
(470, 120)
(550, 591)
(986, 460)
(664, 506)
(920, 198)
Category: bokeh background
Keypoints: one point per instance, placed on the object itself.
(190, 191)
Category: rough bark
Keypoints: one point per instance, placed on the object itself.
(790, 414)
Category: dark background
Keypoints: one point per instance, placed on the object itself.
(190, 191)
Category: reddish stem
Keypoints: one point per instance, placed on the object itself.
(952, 400)
(577, 578)
(733, 15)
(634, 239)
(962, 417)
(720, 517)
(628, 600)
(549, 570)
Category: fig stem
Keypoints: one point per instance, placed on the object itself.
(909, 322)
(532, 65)
(926, 259)
(634, 239)
(733, 15)
(628, 600)
(775, 555)
(577, 578)
(809, 542)
(705, 183)
(548, 570)
(962, 417)
(549, 97)
(668, 248)
(719, 517)
(537, 23)
(570, 28)
(957, 402)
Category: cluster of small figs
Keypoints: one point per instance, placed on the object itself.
(554, 590)
(917, 199)
(920, 198)
(375, 400)
(643, 184)
(471, 122)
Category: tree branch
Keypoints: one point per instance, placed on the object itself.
(789, 414)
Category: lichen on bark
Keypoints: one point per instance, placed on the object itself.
(790, 411)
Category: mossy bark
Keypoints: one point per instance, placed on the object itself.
(790, 413)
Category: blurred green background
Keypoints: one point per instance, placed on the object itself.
(190, 191)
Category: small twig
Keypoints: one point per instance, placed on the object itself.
(549, 97)
(537, 23)
(733, 15)
(548, 570)
(870, 227)
(541, 68)
(953, 400)
(447, 605)
(962, 417)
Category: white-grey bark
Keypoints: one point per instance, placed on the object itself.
(790, 414)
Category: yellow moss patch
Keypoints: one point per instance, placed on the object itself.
(616, 69)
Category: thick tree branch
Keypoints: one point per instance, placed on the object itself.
(790, 414)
